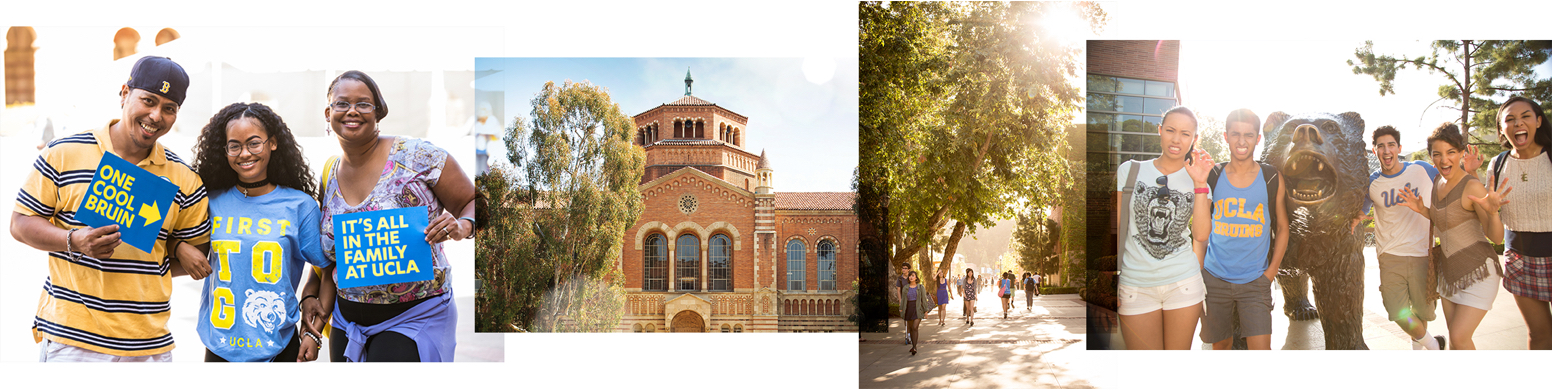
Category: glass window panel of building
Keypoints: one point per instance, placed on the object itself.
(720, 270)
(795, 267)
(1123, 118)
(655, 264)
(827, 265)
(688, 271)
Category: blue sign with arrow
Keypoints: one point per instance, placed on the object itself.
(128, 196)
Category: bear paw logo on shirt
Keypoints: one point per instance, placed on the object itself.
(264, 309)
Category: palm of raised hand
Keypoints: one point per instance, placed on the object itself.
(1411, 201)
(1493, 199)
(1201, 164)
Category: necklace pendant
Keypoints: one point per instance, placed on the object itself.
(1524, 177)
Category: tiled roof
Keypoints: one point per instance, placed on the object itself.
(814, 200)
(688, 100)
(765, 163)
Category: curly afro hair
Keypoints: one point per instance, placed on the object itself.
(287, 166)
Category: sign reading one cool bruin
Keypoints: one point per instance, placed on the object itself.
(381, 247)
(128, 196)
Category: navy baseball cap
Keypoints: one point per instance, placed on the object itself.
(161, 76)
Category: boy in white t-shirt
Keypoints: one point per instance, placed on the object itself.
(1403, 237)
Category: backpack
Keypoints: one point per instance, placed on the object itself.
(1269, 176)
(1029, 283)
(1498, 163)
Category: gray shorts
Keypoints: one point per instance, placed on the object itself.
(1404, 287)
(1250, 302)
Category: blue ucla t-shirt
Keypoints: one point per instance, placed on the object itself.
(1241, 230)
(259, 247)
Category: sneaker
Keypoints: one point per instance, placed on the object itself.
(1441, 342)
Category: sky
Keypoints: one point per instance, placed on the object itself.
(802, 112)
(1304, 76)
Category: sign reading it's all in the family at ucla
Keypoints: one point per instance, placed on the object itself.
(128, 196)
(381, 247)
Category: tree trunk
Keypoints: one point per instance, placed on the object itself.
(1465, 93)
(953, 244)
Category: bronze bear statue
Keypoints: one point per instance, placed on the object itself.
(1324, 162)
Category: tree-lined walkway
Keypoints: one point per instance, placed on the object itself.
(1038, 347)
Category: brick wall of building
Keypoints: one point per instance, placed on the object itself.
(1152, 60)
(718, 210)
(838, 225)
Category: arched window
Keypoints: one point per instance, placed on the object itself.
(827, 265)
(720, 269)
(700, 129)
(651, 328)
(655, 264)
(166, 35)
(688, 265)
(739, 328)
(795, 267)
(678, 129)
(726, 328)
(19, 70)
(125, 42)
(636, 328)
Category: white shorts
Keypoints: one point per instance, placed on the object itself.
(1479, 295)
(1143, 300)
(49, 351)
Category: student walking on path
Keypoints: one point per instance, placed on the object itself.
(970, 294)
(915, 307)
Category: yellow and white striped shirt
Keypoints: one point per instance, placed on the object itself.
(119, 305)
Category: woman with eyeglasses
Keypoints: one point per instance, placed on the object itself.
(409, 321)
(264, 234)
(1160, 290)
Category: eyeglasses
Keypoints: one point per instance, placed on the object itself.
(1163, 182)
(235, 149)
(361, 107)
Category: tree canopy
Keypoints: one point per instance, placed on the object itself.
(964, 112)
(1476, 73)
(556, 220)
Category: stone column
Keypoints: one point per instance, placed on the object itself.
(672, 246)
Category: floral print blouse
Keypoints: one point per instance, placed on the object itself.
(413, 167)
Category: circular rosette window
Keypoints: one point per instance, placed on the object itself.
(687, 203)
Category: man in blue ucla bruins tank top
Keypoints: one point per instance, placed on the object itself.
(1242, 256)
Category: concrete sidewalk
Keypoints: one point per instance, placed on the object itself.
(1039, 347)
(1502, 329)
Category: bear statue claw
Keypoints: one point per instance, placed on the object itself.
(1300, 310)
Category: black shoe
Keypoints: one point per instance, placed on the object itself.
(913, 351)
(1441, 342)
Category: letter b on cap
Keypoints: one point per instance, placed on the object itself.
(165, 86)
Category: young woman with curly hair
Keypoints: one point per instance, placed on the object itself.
(265, 233)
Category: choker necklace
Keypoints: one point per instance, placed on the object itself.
(243, 187)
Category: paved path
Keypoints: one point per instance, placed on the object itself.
(1501, 329)
(1042, 348)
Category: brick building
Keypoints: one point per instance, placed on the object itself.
(1130, 86)
(716, 248)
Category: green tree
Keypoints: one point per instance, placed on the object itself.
(561, 214)
(964, 112)
(1476, 74)
(1210, 137)
(1036, 242)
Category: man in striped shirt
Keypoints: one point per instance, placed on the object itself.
(103, 301)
